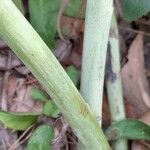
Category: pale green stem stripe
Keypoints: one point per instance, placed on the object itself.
(30, 48)
(114, 86)
(97, 25)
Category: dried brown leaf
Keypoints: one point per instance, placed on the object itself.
(131, 111)
(21, 101)
(7, 138)
(22, 70)
(63, 50)
(135, 84)
(145, 118)
(72, 27)
(2, 44)
(14, 62)
(11, 87)
(136, 145)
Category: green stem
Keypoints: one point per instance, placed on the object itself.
(114, 87)
(30, 48)
(97, 25)
(19, 5)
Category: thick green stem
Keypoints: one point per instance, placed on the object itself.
(30, 48)
(19, 5)
(97, 25)
(114, 87)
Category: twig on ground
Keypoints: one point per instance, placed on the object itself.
(135, 31)
(62, 132)
(17, 142)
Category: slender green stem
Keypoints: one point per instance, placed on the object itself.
(97, 25)
(30, 48)
(114, 87)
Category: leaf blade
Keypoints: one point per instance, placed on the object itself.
(18, 121)
(130, 129)
(38, 95)
(43, 15)
(74, 9)
(41, 138)
(132, 10)
(51, 110)
(73, 74)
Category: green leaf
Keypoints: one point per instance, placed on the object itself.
(18, 121)
(134, 9)
(43, 16)
(73, 74)
(41, 138)
(51, 110)
(74, 9)
(19, 4)
(130, 129)
(38, 95)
